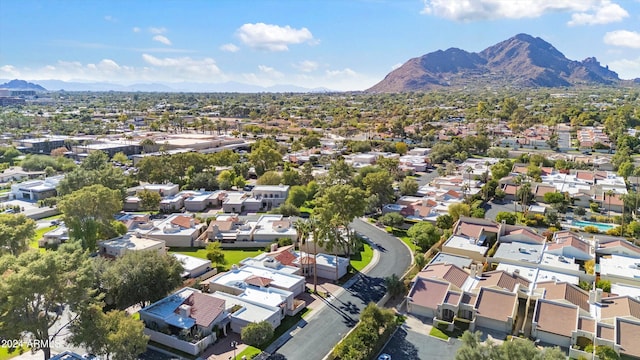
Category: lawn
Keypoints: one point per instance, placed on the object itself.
(233, 257)
(363, 258)
(5, 354)
(438, 333)
(39, 234)
(402, 235)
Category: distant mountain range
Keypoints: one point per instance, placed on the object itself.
(21, 85)
(57, 85)
(521, 61)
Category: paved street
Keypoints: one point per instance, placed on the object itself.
(325, 328)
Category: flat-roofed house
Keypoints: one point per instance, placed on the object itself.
(117, 247)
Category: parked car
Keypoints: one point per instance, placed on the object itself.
(384, 357)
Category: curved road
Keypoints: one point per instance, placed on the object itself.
(332, 322)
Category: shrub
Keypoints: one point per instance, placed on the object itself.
(579, 211)
(256, 334)
(591, 229)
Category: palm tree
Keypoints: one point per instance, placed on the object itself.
(609, 194)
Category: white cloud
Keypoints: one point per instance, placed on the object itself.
(186, 67)
(626, 68)
(229, 48)
(585, 11)
(395, 66)
(162, 39)
(606, 14)
(135, 29)
(110, 18)
(623, 38)
(341, 73)
(157, 30)
(272, 37)
(306, 66)
(269, 71)
(9, 71)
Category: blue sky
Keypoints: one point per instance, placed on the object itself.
(336, 44)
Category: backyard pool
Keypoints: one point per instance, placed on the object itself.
(603, 227)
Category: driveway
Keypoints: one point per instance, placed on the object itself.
(324, 328)
(409, 343)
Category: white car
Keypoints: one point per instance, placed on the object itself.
(384, 357)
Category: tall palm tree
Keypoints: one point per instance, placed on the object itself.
(609, 194)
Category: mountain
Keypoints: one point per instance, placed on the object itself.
(521, 61)
(21, 85)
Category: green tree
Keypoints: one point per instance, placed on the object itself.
(265, 155)
(340, 173)
(291, 177)
(149, 200)
(392, 219)
(381, 184)
(444, 222)
(408, 186)
(88, 213)
(553, 198)
(395, 286)
(120, 157)
(139, 278)
(257, 334)
(270, 178)
(95, 161)
(16, 230)
(114, 335)
(401, 148)
(297, 195)
(458, 210)
(424, 234)
(34, 285)
(500, 169)
(508, 217)
(605, 285)
(338, 206)
(215, 253)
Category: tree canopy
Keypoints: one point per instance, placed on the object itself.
(16, 230)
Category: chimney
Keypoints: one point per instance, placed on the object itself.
(424, 202)
(595, 296)
(474, 270)
(184, 310)
(274, 247)
(516, 272)
(192, 222)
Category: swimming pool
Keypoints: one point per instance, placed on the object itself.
(601, 226)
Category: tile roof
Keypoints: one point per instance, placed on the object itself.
(183, 221)
(543, 189)
(572, 241)
(285, 258)
(469, 298)
(428, 293)
(475, 230)
(510, 189)
(628, 336)
(448, 272)
(622, 243)
(258, 281)
(502, 280)
(452, 298)
(587, 324)
(530, 234)
(556, 318)
(565, 291)
(495, 304)
(620, 306)
(604, 331)
(226, 225)
(204, 308)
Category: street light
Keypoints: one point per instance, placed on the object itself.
(234, 344)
